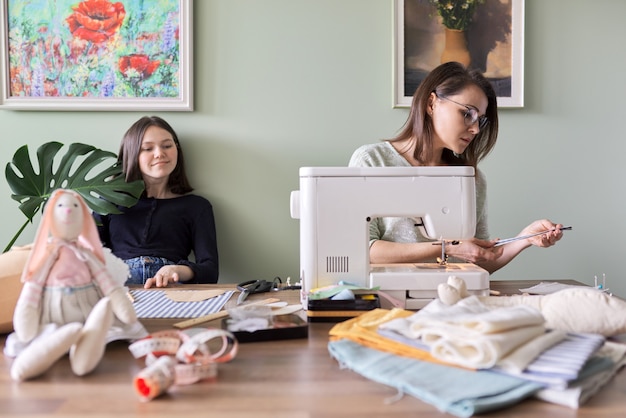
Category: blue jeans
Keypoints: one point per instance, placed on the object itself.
(143, 268)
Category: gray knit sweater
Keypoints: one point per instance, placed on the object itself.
(383, 154)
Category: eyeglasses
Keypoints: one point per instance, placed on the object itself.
(470, 116)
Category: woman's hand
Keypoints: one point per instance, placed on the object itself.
(169, 274)
(474, 250)
(544, 240)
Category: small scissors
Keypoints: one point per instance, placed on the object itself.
(253, 286)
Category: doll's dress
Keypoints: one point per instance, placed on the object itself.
(69, 291)
(72, 289)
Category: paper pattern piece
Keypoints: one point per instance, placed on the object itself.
(546, 288)
(155, 304)
(192, 295)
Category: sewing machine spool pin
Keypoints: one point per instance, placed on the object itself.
(601, 286)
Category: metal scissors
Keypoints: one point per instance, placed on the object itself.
(253, 286)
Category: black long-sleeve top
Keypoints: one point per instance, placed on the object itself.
(170, 228)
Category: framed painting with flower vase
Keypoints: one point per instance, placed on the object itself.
(483, 34)
(96, 55)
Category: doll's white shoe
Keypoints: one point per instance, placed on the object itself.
(87, 352)
(44, 351)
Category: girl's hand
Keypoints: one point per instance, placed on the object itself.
(169, 274)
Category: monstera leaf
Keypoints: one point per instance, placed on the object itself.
(89, 171)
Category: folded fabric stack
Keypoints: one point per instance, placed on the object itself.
(468, 333)
(357, 345)
(440, 353)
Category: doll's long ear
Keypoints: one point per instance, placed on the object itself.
(38, 252)
(89, 237)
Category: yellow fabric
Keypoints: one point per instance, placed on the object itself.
(363, 330)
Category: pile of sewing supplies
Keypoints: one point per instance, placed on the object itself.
(469, 357)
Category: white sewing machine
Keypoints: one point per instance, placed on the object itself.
(336, 204)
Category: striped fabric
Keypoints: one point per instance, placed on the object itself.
(155, 304)
(563, 362)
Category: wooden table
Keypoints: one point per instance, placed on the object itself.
(288, 378)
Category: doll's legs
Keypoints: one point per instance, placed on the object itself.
(44, 351)
(86, 354)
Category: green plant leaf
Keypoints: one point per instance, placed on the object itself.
(93, 173)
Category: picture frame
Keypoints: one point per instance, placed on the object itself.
(62, 55)
(494, 41)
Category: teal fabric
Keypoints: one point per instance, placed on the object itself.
(453, 390)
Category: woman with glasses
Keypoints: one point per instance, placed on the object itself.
(453, 121)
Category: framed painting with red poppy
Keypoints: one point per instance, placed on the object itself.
(96, 55)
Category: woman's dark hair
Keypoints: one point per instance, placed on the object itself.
(447, 80)
(131, 147)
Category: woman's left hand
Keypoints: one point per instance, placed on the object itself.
(544, 240)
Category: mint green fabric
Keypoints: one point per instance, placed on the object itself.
(453, 390)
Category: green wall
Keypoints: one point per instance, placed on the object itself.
(281, 84)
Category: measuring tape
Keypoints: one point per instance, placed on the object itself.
(176, 357)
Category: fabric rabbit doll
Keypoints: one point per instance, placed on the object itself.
(70, 295)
